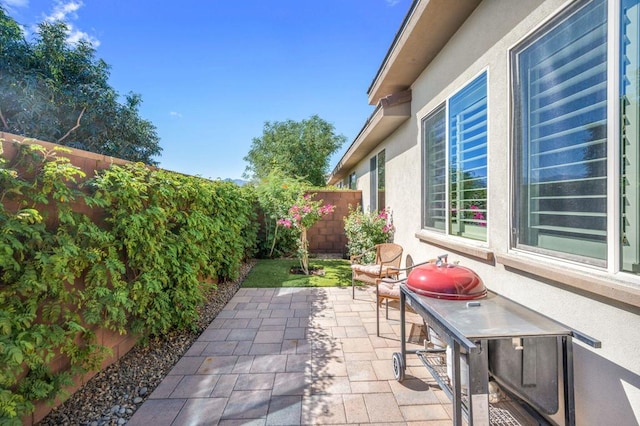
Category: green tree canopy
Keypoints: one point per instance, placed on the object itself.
(59, 92)
(298, 149)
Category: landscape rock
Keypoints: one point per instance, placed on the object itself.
(106, 398)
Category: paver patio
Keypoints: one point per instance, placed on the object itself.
(295, 356)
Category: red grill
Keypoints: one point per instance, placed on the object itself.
(446, 281)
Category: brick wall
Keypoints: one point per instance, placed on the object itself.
(89, 162)
(327, 235)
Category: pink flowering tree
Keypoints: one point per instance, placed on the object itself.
(301, 216)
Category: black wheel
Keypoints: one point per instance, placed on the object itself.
(398, 366)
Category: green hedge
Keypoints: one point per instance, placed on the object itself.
(137, 263)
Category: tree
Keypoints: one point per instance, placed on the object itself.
(301, 216)
(59, 92)
(298, 149)
(276, 193)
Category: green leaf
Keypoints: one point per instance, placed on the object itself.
(15, 354)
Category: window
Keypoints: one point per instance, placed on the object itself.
(562, 138)
(560, 92)
(630, 134)
(434, 133)
(455, 164)
(373, 183)
(352, 181)
(376, 186)
(381, 164)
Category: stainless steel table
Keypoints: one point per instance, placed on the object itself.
(469, 327)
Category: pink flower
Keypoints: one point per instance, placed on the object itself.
(478, 215)
(285, 222)
(326, 209)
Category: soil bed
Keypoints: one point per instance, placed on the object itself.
(296, 270)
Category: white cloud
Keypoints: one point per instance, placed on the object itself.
(175, 114)
(14, 3)
(76, 35)
(392, 3)
(62, 11)
(66, 11)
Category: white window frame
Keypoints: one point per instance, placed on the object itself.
(447, 231)
(612, 264)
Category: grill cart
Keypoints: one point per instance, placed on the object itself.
(526, 353)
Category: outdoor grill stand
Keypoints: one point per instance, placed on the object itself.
(470, 326)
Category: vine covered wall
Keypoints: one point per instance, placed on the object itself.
(92, 248)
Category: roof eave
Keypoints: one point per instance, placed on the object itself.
(426, 29)
(387, 117)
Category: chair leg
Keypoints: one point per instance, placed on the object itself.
(353, 288)
(377, 313)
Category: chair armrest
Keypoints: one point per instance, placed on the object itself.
(390, 281)
(355, 258)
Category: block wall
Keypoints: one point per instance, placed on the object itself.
(327, 235)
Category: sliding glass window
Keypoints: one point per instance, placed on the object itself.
(454, 150)
(560, 89)
(630, 134)
(468, 161)
(434, 151)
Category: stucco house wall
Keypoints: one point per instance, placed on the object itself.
(607, 380)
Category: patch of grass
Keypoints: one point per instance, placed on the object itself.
(275, 273)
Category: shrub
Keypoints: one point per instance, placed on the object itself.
(138, 265)
(174, 231)
(365, 230)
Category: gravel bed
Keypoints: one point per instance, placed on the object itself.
(113, 395)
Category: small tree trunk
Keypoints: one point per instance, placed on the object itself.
(304, 251)
(273, 245)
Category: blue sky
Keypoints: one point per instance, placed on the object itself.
(211, 72)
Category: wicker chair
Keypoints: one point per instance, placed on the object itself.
(389, 289)
(387, 263)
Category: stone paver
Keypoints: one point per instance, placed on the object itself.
(201, 411)
(284, 410)
(296, 356)
(157, 412)
(195, 386)
(382, 408)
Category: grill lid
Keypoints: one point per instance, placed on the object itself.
(446, 281)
